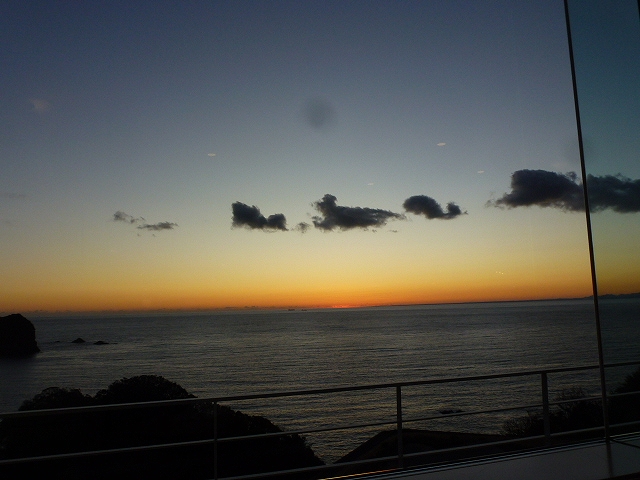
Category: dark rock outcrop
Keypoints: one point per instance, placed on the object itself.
(17, 337)
(78, 340)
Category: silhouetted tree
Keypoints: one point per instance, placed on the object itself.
(129, 427)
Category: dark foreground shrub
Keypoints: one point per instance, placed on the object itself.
(82, 431)
(564, 417)
(626, 408)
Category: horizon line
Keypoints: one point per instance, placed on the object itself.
(255, 308)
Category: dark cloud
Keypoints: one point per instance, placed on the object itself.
(427, 206)
(319, 113)
(337, 216)
(620, 194)
(158, 226)
(544, 189)
(121, 216)
(564, 191)
(302, 227)
(250, 217)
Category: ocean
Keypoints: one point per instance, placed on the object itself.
(224, 353)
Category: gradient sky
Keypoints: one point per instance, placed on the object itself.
(129, 129)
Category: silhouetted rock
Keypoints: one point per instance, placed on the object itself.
(17, 337)
(100, 342)
(78, 340)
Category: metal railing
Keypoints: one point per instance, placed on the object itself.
(399, 422)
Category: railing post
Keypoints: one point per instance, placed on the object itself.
(215, 440)
(545, 407)
(399, 425)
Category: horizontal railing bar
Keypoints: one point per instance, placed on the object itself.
(576, 400)
(319, 391)
(305, 431)
(502, 409)
(302, 432)
(624, 437)
(574, 432)
(331, 466)
(307, 392)
(621, 364)
(92, 453)
(623, 394)
(104, 408)
(626, 424)
(503, 442)
(473, 412)
(476, 445)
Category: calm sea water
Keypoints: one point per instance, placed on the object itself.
(232, 353)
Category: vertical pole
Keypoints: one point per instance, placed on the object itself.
(399, 425)
(215, 440)
(594, 283)
(545, 407)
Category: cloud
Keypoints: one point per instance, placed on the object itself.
(319, 113)
(620, 194)
(427, 206)
(40, 105)
(302, 227)
(158, 226)
(120, 216)
(250, 217)
(337, 216)
(141, 223)
(544, 189)
(565, 191)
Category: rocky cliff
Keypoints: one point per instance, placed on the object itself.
(17, 337)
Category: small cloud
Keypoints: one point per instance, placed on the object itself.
(39, 105)
(345, 218)
(121, 216)
(544, 189)
(302, 227)
(481, 171)
(427, 206)
(319, 113)
(370, 184)
(211, 154)
(158, 226)
(441, 144)
(251, 218)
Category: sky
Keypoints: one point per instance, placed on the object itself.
(170, 155)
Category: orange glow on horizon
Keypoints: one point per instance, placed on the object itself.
(181, 299)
